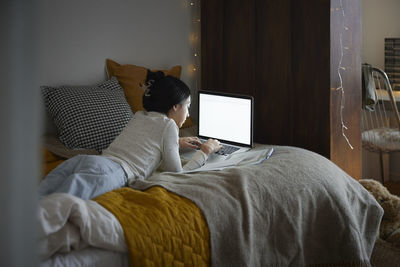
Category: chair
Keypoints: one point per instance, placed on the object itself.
(380, 133)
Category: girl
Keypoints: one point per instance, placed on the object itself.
(149, 140)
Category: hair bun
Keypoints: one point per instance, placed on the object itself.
(151, 79)
(154, 76)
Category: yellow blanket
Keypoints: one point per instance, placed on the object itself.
(50, 161)
(161, 228)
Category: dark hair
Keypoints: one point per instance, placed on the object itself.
(163, 92)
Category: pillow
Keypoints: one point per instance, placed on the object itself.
(88, 117)
(131, 76)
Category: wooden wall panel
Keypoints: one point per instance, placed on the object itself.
(284, 53)
(272, 92)
(239, 58)
(228, 43)
(212, 53)
(310, 75)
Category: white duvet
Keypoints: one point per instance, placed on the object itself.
(69, 223)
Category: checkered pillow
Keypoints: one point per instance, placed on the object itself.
(88, 117)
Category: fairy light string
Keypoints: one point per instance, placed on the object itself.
(342, 68)
(194, 39)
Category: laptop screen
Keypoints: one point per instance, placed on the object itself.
(226, 117)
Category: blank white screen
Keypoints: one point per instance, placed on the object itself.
(224, 117)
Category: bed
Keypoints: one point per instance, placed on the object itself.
(295, 209)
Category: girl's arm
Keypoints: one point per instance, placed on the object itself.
(171, 160)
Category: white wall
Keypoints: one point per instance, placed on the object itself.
(77, 36)
(380, 19)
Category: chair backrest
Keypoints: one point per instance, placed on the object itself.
(380, 120)
(385, 104)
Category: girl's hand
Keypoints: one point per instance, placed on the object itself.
(210, 146)
(189, 142)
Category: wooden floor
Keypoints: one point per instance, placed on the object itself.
(393, 187)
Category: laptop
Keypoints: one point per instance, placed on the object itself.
(228, 118)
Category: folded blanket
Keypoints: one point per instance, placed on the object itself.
(295, 209)
(161, 228)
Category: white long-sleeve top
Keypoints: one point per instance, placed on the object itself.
(148, 140)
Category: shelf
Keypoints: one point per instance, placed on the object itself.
(392, 59)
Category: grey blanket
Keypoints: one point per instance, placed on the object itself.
(295, 209)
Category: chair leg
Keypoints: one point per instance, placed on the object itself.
(381, 167)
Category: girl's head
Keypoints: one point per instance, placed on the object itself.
(167, 95)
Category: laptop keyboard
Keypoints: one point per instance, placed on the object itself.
(226, 150)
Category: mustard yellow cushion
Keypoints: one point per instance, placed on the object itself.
(131, 76)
